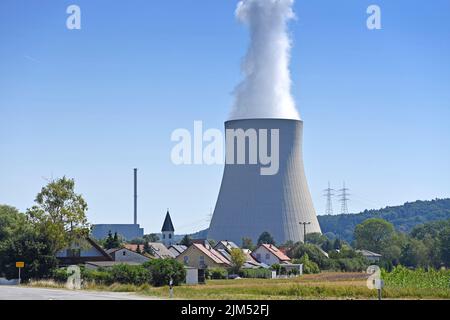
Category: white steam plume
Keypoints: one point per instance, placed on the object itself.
(265, 91)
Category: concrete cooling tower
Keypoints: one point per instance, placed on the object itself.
(250, 203)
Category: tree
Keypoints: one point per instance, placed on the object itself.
(374, 234)
(444, 242)
(162, 270)
(186, 241)
(266, 238)
(109, 241)
(247, 243)
(117, 241)
(238, 259)
(316, 238)
(337, 244)
(147, 249)
(414, 254)
(60, 214)
(19, 241)
(152, 237)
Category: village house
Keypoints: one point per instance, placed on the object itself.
(369, 255)
(203, 256)
(82, 251)
(127, 255)
(270, 255)
(177, 249)
(225, 247)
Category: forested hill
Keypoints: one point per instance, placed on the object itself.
(404, 217)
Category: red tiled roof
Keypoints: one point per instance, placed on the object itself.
(276, 252)
(211, 253)
(133, 247)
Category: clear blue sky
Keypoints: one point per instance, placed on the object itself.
(94, 103)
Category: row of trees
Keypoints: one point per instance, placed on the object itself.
(57, 219)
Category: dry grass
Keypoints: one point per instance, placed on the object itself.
(319, 286)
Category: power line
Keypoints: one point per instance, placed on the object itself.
(329, 193)
(343, 198)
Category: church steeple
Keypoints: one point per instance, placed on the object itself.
(167, 231)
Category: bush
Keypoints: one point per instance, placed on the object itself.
(162, 270)
(256, 273)
(217, 273)
(309, 266)
(128, 274)
(98, 276)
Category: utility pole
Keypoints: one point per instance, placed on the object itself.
(328, 194)
(304, 230)
(343, 197)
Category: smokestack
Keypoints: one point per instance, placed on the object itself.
(135, 196)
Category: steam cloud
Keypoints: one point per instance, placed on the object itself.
(265, 91)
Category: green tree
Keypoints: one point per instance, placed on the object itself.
(60, 214)
(337, 245)
(414, 254)
(147, 249)
(162, 270)
(238, 259)
(109, 241)
(266, 238)
(247, 243)
(19, 241)
(316, 238)
(152, 237)
(374, 234)
(186, 241)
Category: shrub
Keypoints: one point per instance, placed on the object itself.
(217, 273)
(308, 265)
(256, 273)
(128, 274)
(162, 270)
(98, 276)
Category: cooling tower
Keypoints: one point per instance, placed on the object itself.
(250, 203)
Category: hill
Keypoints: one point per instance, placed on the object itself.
(404, 218)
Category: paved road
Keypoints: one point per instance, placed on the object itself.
(26, 293)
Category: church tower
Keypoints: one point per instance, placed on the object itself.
(167, 231)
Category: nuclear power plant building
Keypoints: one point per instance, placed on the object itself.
(250, 203)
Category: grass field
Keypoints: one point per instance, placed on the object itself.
(319, 286)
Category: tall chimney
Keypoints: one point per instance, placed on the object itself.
(135, 196)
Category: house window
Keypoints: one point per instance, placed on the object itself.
(164, 236)
(186, 259)
(124, 253)
(258, 256)
(267, 256)
(201, 261)
(170, 236)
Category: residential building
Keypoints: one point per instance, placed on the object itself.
(81, 251)
(168, 231)
(225, 247)
(201, 257)
(127, 255)
(270, 255)
(369, 255)
(177, 249)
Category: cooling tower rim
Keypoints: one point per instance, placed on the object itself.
(262, 119)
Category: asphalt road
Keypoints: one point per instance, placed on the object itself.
(27, 293)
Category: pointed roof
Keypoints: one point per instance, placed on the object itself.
(167, 225)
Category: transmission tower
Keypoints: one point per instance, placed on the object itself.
(328, 194)
(343, 198)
